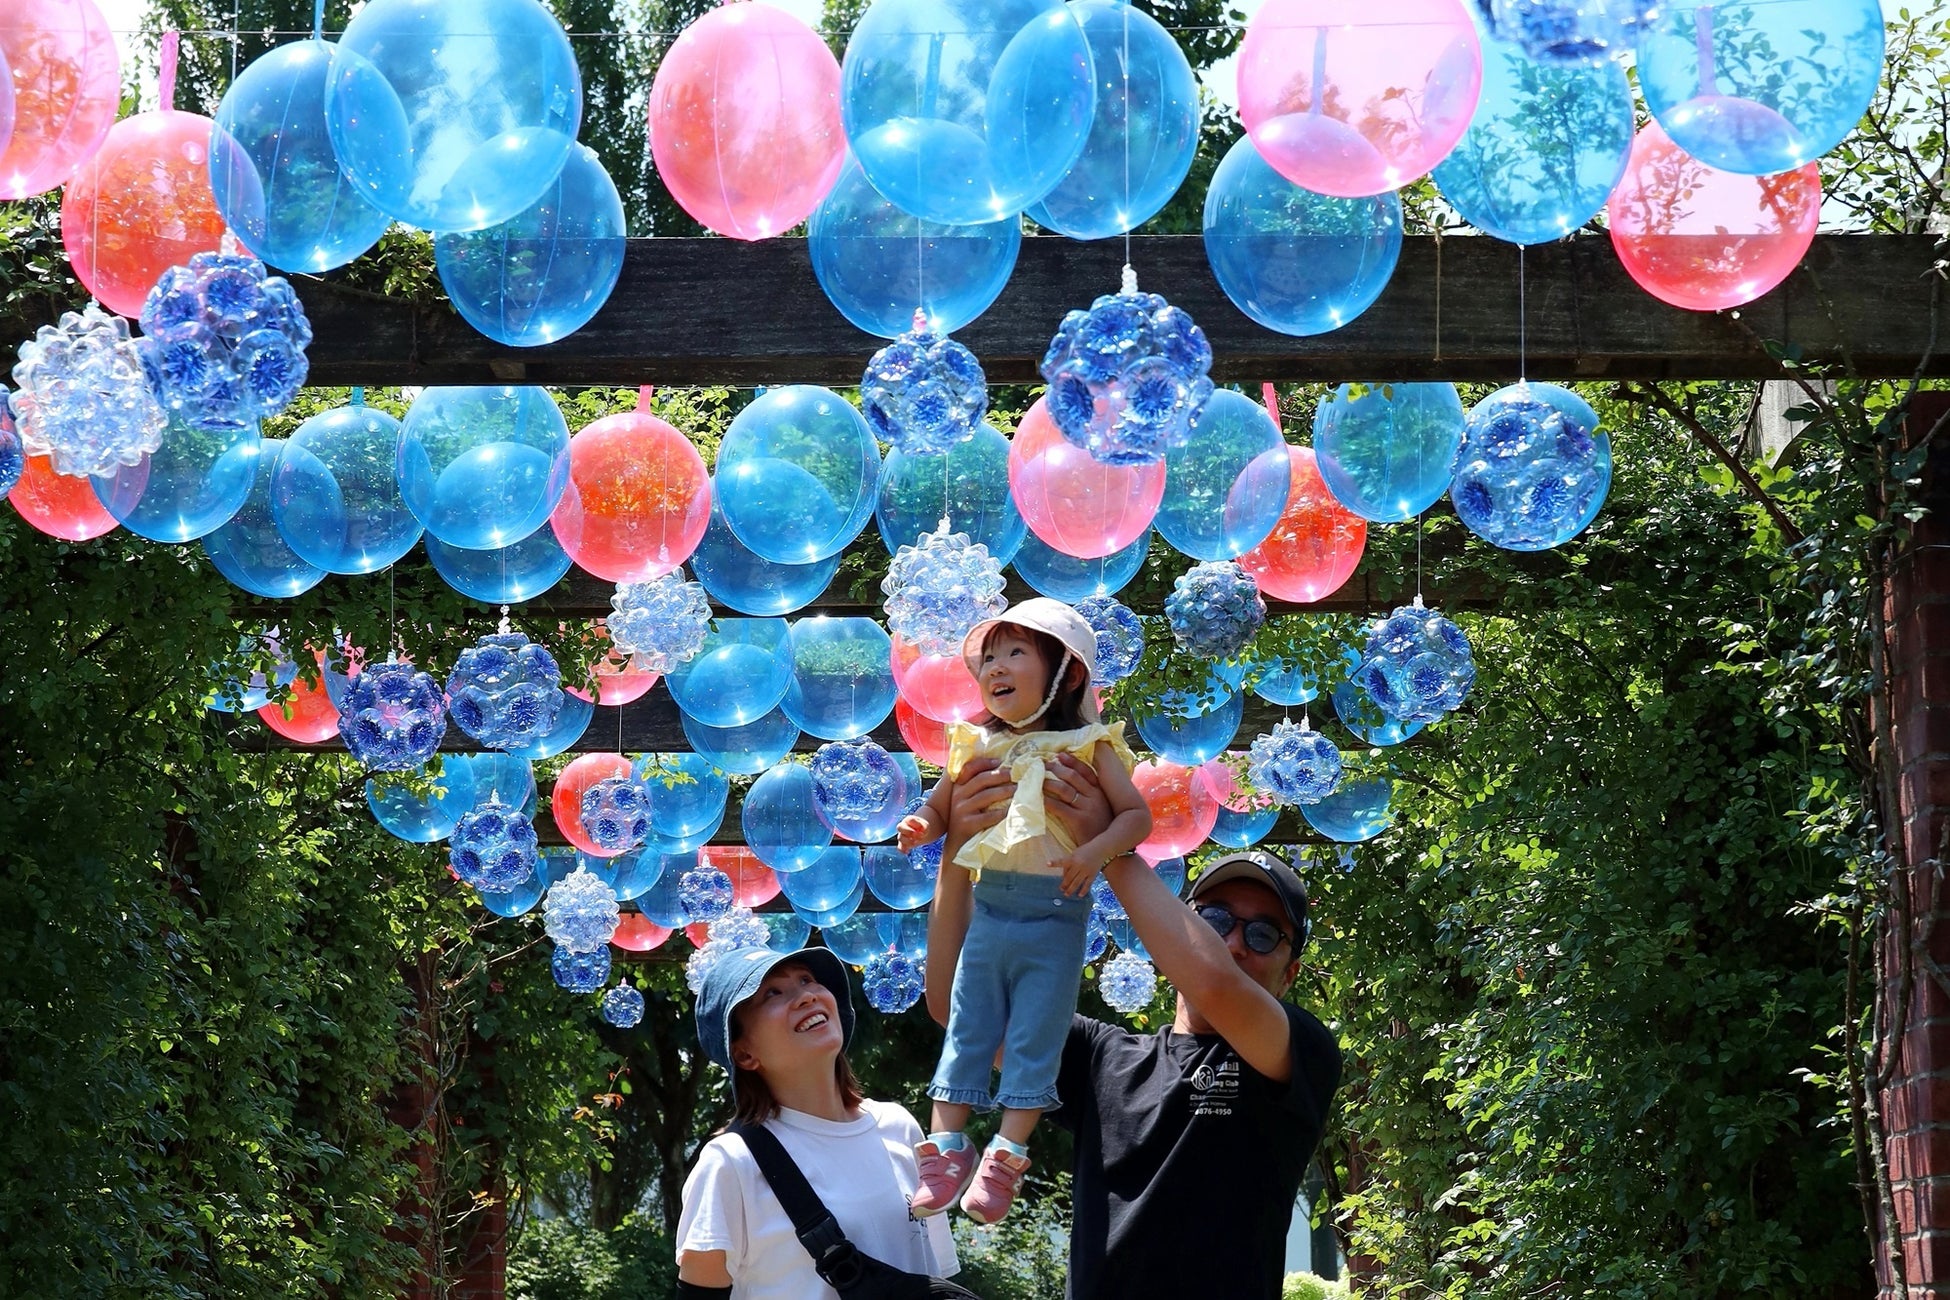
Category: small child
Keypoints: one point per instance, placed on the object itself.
(1022, 961)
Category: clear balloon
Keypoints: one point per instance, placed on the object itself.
(842, 677)
(518, 901)
(1226, 487)
(580, 776)
(141, 205)
(482, 468)
(856, 940)
(736, 577)
(508, 777)
(1286, 682)
(781, 819)
(1295, 261)
(638, 498)
(274, 173)
(967, 111)
(630, 874)
(335, 496)
(1544, 150)
(570, 723)
(453, 114)
(745, 121)
(968, 486)
(1069, 579)
(663, 903)
(1387, 451)
(505, 576)
(790, 931)
(1704, 239)
(306, 715)
(826, 882)
(1073, 502)
(1352, 99)
(188, 487)
(1534, 468)
(879, 265)
(545, 272)
(739, 675)
(423, 818)
(744, 750)
(60, 505)
(827, 917)
(796, 474)
(1359, 810)
(1315, 546)
(1239, 830)
(897, 880)
(938, 686)
(1759, 88)
(248, 549)
(926, 737)
(687, 793)
(1197, 738)
(1183, 809)
(67, 89)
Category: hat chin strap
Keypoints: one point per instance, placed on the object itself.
(1055, 685)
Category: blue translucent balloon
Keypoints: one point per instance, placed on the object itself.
(1364, 718)
(1143, 135)
(1125, 936)
(739, 676)
(1545, 149)
(274, 172)
(423, 819)
(1760, 88)
(662, 901)
(506, 576)
(826, 881)
(691, 843)
(629, 875)
(1297, 262)
(1172, 872)
(1238, 830)
(881, 823)
(1196, 739)
(231, 695)
(556, 861)
(1286, 682)
(796, 474)
(970, 485)
(838, 912)
(789, 930)
(964, 111)
(188, 487)
(483, 467)
(1359, 810)
(248, 550)
(519, 900)
(781, 820)
(336, 496)
(746, 750)
(544, 273)
(1387, 451)
(842, 677)
(453, 114)
(570, 723)
(1533, 470)
(856, 940)
(1066, 578)
(507, 777)
(879, 265)
(1227, 486)
(687, 793)
(736, 577)
(898, 880)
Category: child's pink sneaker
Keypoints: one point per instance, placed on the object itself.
(996, 1182)
(944, 1174)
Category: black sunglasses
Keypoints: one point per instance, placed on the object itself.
(1261, 936)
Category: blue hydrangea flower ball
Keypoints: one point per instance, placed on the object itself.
(1127, 982)
(580, 972)
(393, 717)
(1120, 638)
(1294, 764)
(505, 691)
(893, 982)
(493, 848)
(1128, 378)
(660, 624)
(1214, 610)
(227, 338)
(924, 394)
(1533, 470)
(581, 912)
(1417, 666)
(616, 813)
(853, 779)
(623, 1006)
(706, 893)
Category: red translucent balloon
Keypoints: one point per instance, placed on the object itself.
(1705, 239)
(745, 120)
(698, 932)
(1222, 782)
(306, 717)
(937, 686)
(616, 681)
(67, 80)
(636, 932)
(925, 736)
(1183, 809)
(1317, 543)
(752, 882)
(638, 498)
(1076, 505)
(141, 205)
(60, 505)
(566, 802)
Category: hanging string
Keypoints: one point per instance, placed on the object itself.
(1125, 215)
(166, 70)
(1523, 323)
(1418, 558)
(318, 20)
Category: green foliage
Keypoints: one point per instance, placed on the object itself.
(1025, 1256)
(556, 1260)
(1306, 1286)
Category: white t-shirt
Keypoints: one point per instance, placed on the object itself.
(863, 1169)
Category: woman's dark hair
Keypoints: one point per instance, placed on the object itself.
(752, 1101)
(1066, 710)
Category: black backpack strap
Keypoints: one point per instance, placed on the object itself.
(834, 1257)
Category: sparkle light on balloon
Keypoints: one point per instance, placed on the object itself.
(1316, 544)
(638, 497)
(1070, 579)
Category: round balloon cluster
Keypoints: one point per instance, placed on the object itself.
(853, 779)
(939, 590)
(1128, 982)
(1128, 377)
(494, 848)
(393, 717)
(1533, 469)
(623, 1006)
(1214, 609)
(892, 981)
(616, 813)
(706, 892)
(1417, 666)
(924, 394)
(505, 691)
(660, 624)
(580, 972)
(581, 912)
(84, 401)
(1294, 765)
(1120, 638)
(224, 340)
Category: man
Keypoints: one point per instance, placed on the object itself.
(1191, 1142)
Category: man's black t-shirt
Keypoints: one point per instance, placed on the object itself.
(1188, 1160)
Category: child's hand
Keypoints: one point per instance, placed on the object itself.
(914, 829)
(1077, 875)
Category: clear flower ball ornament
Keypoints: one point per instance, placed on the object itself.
(661, 623)
(706, 893)
(1127, 378)
(741, 928)
(1533, 470)
(393, 717)
(581, 912)
(1120, 638)
(1417, 666)
(893, 982)
(700, 962)
(1214, 610)
(493, 848)
(505, 691)
(853, 779)
(616, 813)
(924, 394)
(580, 972)
(623, 1006)
(1127, 982)
(85, 401)
(1294, 764)
(226, 339)
(940, 589)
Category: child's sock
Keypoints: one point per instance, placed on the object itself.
(1013, 1148)
(949, 1141)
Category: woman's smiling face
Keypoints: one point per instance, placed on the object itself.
(792, 1022)
(1014, 678)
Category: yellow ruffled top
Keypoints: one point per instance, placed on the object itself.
(1026, 839)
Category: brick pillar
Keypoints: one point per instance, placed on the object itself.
(1916, 1105)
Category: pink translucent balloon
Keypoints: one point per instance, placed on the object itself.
(1316, 545)
(1358, 97)
(1705, 239)
(926, 737)
(141, 205)
(1075, 504)
(1183, 809)
(307, 717)
(638, 498)
(745, 121)
(1233, 794)
(752, 882)
(636, 932)
(60, 505)
(616, 681)
(938, 686)
(67, 88)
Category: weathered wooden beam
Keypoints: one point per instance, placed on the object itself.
(697, 311)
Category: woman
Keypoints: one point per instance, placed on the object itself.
(779, 1026)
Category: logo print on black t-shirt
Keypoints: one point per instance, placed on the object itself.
(1215, 1089)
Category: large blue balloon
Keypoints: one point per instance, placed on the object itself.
(789, 930)
(1545, 149)
(1196, 739)
(826, 881)
(781, 820)
(429, 818)
(897, 879)
(542, 274)
(796, 474)
(969, 485)
(736, 577)
(687, 793)
(879, 265)
(1068, 579)
(1360, 715)
(188, 487)
(1285, 682)
(842, 677)
(1760, 88)
(856, 940)
(628, 875)
(570, 723)
(336, 496)
(1238, 830)
(1359, 810)
(453, 114)
(506, 576)
(1143, 135)
(507, 777)
(273, 170)
(1227, 486)
(1387, 452)
(1297, 262)
(825, 917)
(966, 111)
(483, 467)
(248, 550)
(738, 676)
(746, 750)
